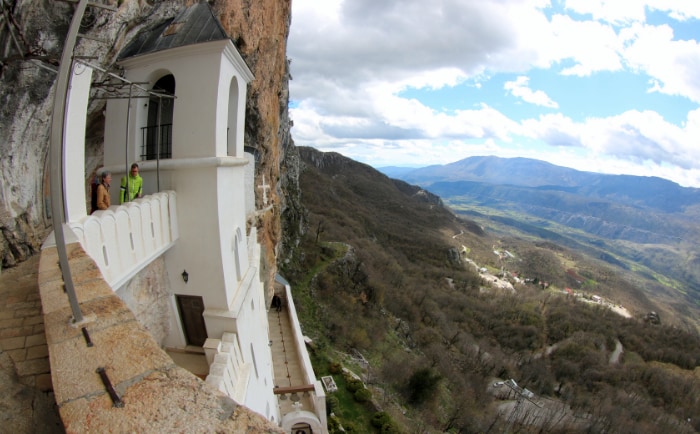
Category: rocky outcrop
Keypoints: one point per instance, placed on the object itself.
(147, 297)
(418, 193)
(259, 30)
(293, 214)
(25, 112)
(31, 48)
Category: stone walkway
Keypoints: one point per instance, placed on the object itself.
(286, 362)
(27, 404)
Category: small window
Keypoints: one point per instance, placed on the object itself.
(255, 364)
(237, 255)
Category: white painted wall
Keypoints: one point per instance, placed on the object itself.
(203, 76)
(74, 143)
(208, 172)
(232, 223)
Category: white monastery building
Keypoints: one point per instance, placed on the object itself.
(183, 123)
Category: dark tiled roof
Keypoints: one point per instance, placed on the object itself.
(193, 25)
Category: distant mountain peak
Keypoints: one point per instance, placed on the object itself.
(644, 191)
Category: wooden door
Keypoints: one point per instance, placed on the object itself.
(191, 309)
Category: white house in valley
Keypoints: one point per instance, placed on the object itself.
(181, 117)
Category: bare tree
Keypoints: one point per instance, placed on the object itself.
(319, 230)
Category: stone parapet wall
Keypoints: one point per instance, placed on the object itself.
(319, 395)
(227, 370)
(157, 395)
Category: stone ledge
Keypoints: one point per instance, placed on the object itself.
(53, 297)
(125, 351)
(158, 396)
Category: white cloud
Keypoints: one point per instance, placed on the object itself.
(629, 11)
(592, 46)
(672, 64)
(357, 41)
(611, 11)
(519, 88)
(352, 59)
(554, 129)
(633, 136)
(681, 10)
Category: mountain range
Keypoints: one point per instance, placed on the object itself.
(652, 192)
(410, 288)
(645, 224)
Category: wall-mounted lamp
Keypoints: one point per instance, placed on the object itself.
(185, 276)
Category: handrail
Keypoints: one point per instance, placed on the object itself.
(58, 212)
(163, 137)
(292, 389)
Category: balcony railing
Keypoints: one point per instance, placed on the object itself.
(306, 384)
(149, 140)
(123, 239)
(227, 370)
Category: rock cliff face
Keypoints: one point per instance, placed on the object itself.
(259, 30)
(31, 44)
(24, 122)
(332, 162)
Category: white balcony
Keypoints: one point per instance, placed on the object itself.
(123, 239)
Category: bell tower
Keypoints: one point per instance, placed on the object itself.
(190, 141)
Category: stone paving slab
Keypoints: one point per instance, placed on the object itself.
(27, 403)
(285, 358)
(125, 351)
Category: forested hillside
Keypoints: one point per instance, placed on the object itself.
(414, 299)
(644, 226)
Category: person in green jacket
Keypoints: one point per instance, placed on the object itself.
(134, 183)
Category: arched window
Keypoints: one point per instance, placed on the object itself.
(236, 253)
(157, 135)
(232, 121)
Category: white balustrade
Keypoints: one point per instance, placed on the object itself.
(319, 395)
(227, 371)
(123, 239)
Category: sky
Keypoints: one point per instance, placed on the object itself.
(606, 86)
